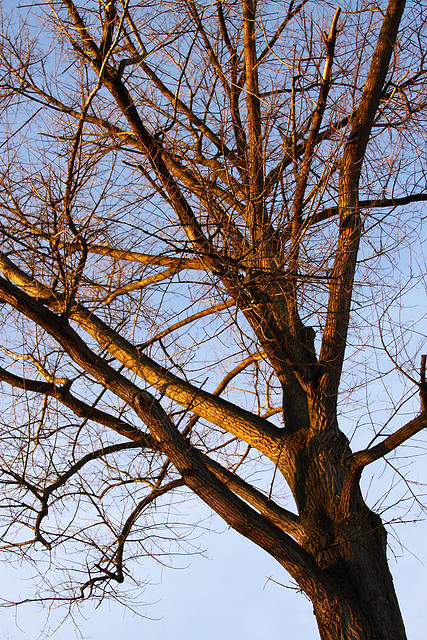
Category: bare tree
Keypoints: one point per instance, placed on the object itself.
(203, 205)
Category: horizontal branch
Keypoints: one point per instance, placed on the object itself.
(144, 258)
(78, 407)
(331, 212)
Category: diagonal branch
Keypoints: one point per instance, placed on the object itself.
(292, 12)
(178, 104)
(195, 316)
(79, 407)
(361, 459)
(282, 518)
(245, 425)
(221, 499)
(235, 90)
(145, 282)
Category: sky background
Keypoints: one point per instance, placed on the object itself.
(227, 594)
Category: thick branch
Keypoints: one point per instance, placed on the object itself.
(245, 425)
(342, 275)
(216, 495)
(282, 518)
(362, 458)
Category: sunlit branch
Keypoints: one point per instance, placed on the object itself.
(30, 285)
(272, 412)
(181, 106)
(256, 215)
(145, 282)
(195, 316)
(226, 381)
(203, 187)
(218, 496)
(144, 258)
(224, 133)
(304, 170)
(238, 369)
(38, 365)
(192, 7)
(235, 91)
(81, 28)
(239, 422)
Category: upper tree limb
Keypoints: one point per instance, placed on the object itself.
(342, 274)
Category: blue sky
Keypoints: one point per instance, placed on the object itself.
(227, 594)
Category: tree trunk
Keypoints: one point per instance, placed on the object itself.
(347, 540)
(362, 571)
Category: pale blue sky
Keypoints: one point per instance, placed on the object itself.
(226, 596)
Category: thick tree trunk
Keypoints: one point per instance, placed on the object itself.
(362, 573)
(347, 540)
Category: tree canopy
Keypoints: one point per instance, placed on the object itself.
(211, 262)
